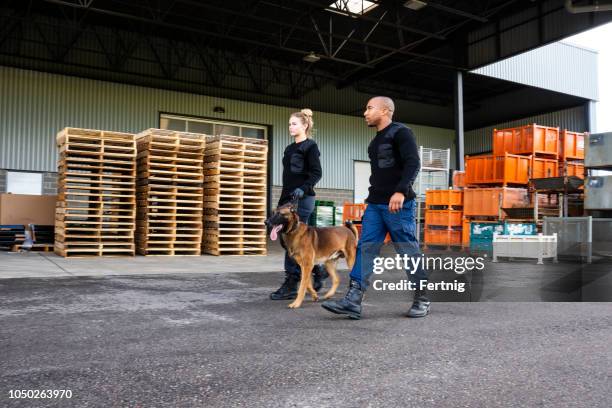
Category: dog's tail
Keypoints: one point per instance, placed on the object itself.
(350, 226)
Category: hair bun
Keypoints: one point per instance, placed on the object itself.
(307, 112)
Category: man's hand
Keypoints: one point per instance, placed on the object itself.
(396, 202)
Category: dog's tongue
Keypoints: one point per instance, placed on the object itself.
(274, 232)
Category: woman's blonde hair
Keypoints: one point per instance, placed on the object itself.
(305, 115)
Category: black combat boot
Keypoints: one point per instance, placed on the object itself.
(319, 274)
(420, 305)
(288, 289)
(350, 304)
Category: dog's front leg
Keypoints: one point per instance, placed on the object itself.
(306, 268)
(313, 293)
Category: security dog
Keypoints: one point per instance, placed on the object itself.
(309, 246)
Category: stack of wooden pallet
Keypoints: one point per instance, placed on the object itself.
(96, 202)
(235, 171)
(169, 188)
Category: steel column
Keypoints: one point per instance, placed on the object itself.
(458, 105)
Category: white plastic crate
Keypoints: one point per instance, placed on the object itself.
(435, 158)
(324, 216)
(339, 211)
(525, 246)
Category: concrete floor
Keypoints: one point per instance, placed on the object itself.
(200, 332)
(504, 281)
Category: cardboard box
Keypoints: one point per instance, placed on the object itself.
(22, 209)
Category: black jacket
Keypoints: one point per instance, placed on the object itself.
(395, 163)
(301, 169)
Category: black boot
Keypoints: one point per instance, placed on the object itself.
(319, 274)
(420, 305)
(350, 304)
(288, 289)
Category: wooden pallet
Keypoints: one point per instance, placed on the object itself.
(235, 171)
(169, 192)
(34, 247)
(96, 207)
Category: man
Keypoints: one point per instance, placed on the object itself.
(395, 163)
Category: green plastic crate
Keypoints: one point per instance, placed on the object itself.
(480, 231)
(324, 214)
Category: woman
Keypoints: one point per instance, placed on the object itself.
(301, 171)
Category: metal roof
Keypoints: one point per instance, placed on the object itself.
(557, 67)
(257, 47)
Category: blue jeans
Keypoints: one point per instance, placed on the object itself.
(376, 223)
(306, 206)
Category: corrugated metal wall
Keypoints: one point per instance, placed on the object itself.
(541, 22)
(34, 106)
(480, 140)
(550, 67)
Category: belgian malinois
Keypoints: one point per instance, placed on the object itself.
(309, 246)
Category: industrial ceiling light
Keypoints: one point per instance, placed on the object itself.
(311, 57)
(415, 5)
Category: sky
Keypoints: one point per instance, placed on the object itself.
(600, 40)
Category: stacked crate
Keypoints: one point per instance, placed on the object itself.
(96, 202)
(458, 180)
(503, 170)
(235, 170)
(483, 211)
(170, 192)
(571, 154)
(443, 218)
(540, 144)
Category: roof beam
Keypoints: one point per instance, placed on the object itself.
(207, 32)
(295, 26)
(372, 19)
(457, 12)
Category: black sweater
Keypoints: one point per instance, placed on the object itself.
(301, 169)
(395, 163)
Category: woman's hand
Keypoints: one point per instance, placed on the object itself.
(298, 193)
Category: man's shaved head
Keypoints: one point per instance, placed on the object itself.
(384, 102)
(379, 111)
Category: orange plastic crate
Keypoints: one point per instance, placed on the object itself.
(571, 145)
(532, 139)
(446, 198)
(544, 168)
(458, 179)
(447, 218)
(352, 212)
(465, 232)
(488, 202)
(442, 237)
(503, 170)
(572, 169)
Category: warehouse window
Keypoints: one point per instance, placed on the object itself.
(211, 127)
(18, 182)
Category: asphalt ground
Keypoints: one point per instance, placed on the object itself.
(215, 340)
